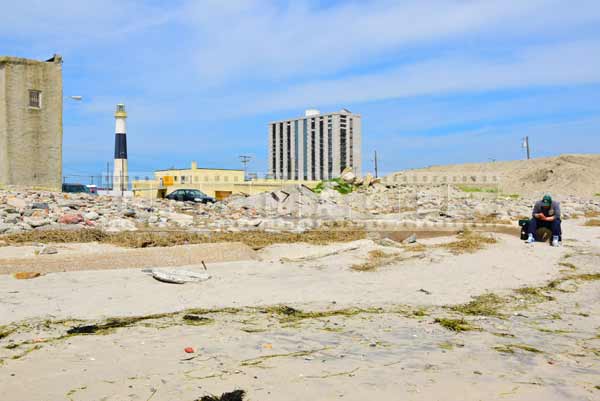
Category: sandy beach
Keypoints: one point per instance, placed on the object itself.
(296, 321)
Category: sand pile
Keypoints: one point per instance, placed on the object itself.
(576, 174)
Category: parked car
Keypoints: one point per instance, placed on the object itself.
(75, 188)
(190, 195)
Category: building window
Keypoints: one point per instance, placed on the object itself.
(35, 99)
(205, 178)
(313, 154)
(280, 167)
(305, 148)
(235, 179)
(321, 150)
(329, 151)
(182, 179)
(175, 178)
(274, 149)
(343, 160)
(217, 178)
(196, 179)
(296, 149)
(226, 178)
(289, 151)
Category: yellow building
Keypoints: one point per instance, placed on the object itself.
(218, 183)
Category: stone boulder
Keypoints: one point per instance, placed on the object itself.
(91, 216)
(70, 219)
(118, 225)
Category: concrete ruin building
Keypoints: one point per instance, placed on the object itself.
(316, 146)
(31, 101)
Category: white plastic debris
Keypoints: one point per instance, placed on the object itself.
(177, 276)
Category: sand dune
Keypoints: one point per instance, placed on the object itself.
(569, 174)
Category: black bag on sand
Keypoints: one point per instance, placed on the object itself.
(524, 224)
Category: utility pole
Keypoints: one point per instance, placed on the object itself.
(526, 146)
(376, 167)
(245, 159)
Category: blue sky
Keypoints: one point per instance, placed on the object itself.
(437, 81)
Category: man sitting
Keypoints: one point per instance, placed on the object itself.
(546, 213)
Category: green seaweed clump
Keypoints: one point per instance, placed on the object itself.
(482, 305)
(456, 325)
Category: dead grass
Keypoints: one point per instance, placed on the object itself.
(146, 239)
(55, 236)
(592, 223)
(414, 247)
(469, 242)
(490, 219)
(376, 259)
(591, 213)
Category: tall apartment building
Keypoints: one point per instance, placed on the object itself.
(31, 101)
(316, 146)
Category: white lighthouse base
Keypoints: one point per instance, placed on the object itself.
(120, 176)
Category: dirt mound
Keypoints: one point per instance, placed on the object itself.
(571, 174)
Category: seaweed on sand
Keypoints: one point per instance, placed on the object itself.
(236, 395)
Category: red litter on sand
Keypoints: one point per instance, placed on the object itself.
(189, 350)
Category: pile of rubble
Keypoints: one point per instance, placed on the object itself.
(27, 210)
(38, 210)
(297, 201)
(292, 207)
(442, 203)
(365, 182)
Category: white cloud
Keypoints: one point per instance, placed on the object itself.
(64, 24)
(263, 40)
(561, 64)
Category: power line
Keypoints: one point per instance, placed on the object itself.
(245, 159)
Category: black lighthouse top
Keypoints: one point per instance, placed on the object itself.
(120, 136)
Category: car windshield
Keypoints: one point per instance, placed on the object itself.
(197, 194)
(75, 188)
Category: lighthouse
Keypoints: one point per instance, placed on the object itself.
(120, 172)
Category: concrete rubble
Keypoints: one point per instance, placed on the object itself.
(290, 208)
(292, 201)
